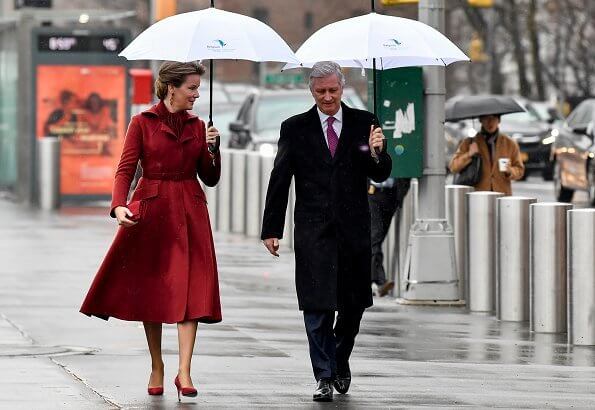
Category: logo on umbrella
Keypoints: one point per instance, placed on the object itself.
(219, 45)
(392, 43)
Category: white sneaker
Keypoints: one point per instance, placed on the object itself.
(375, 291)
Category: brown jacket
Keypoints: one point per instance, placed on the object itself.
(491, 178)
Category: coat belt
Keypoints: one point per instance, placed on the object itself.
(169, 176)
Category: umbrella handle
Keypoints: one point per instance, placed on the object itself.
(213, 148)
(377, 150)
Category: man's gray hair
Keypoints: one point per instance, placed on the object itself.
(325, 68)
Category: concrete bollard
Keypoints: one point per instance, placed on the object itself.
(512, 268)
(238, 189)
(224, 196)
(581, 277)
(254, 206)
(548, 267)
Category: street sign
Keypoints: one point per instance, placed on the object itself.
(283, 79)
(400, 106)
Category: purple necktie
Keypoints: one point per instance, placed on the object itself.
(331, 136)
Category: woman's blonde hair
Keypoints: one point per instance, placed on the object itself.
(174, 73)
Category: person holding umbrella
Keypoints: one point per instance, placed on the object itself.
(330, 150)
(161, 266)
(500, 156)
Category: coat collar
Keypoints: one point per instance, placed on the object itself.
(188, 117)
(152, 112)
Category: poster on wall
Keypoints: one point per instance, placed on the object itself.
(84, 106)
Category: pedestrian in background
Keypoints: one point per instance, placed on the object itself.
(330, 150)
(500, 157)
(385, 200)
(161, 267)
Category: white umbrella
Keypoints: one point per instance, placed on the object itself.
(209, 34)
(392, 41)
(380, 42)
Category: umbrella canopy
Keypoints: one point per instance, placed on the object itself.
(473, 106)
(209, 34)
(392, 41)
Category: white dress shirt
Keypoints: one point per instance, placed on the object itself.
(337, 125)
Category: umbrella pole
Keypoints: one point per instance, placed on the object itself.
(210, 93)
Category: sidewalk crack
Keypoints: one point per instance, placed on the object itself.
(87, 385)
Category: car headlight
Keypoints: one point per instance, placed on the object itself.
(266, 150)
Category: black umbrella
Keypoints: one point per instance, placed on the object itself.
(473, 106)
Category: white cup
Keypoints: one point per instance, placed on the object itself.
(503, 164)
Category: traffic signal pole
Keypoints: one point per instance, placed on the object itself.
(430, 272)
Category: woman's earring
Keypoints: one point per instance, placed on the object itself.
(171, 100)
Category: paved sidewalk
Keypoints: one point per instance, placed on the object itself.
(52, 357)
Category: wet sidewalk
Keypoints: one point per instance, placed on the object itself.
(52, 357)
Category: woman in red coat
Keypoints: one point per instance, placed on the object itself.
(161, 267)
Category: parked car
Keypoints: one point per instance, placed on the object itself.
(573, 153)
(259, 119)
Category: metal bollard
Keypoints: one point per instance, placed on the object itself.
(581, 277)
(512, 266)
(548, 267)
(224, 196)
(456, 215)
(48, 149)
(211, 193)
(253, 204)
(266, 166)
(482, 250)
(238, 189)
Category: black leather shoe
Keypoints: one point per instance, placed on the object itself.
(324, 391)
(342, 383)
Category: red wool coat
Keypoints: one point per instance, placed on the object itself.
(163, 269)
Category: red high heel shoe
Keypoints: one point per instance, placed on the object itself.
(186, 391)
(155, 391)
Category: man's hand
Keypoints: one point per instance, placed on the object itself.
(376, 140)
(272, 244)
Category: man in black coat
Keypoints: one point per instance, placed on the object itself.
(331, 150)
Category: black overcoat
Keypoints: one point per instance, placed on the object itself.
(332, 218)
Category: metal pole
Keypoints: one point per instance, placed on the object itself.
(456, 214)
(48, 151)
(512, 273)
(439, 285)
(431, 187)
(581, 277)
(548, 267)
(482, 250)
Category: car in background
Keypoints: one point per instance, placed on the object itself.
(573, 154)
(259, 119)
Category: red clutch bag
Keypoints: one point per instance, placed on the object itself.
(135, 208)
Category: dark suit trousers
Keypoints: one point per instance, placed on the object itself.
(330, 348)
